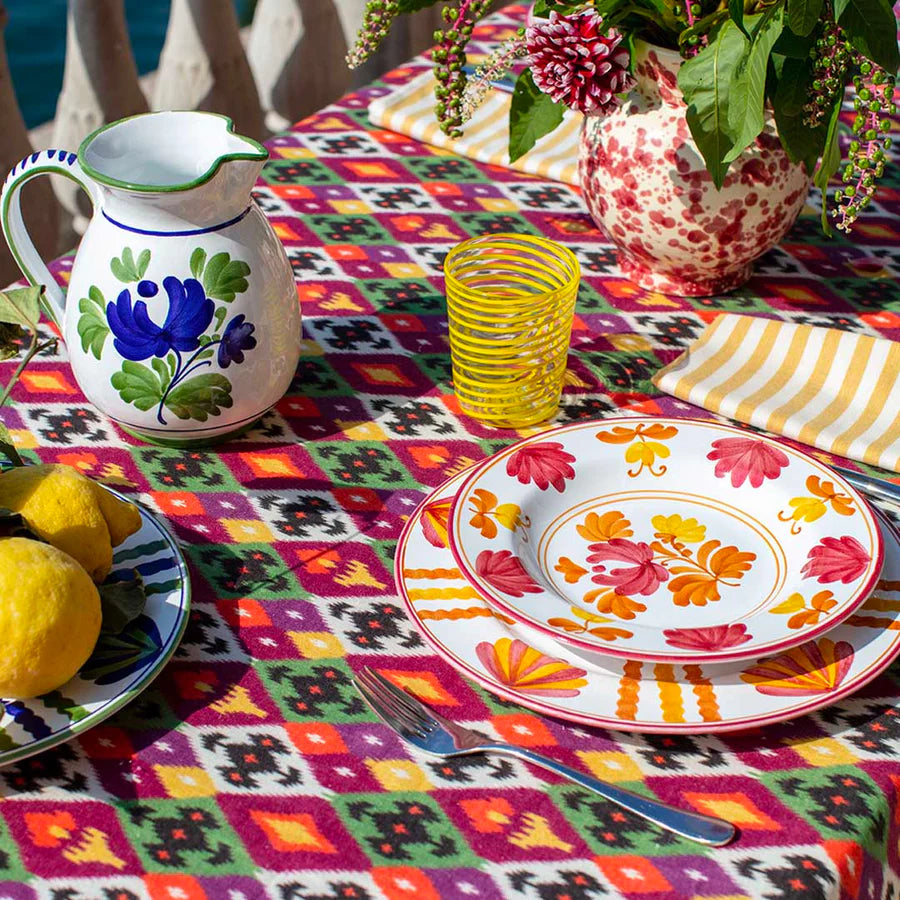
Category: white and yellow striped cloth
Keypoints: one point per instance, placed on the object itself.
(831, 389)
(410, 110)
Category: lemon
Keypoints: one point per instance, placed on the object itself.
(70, 512)
(49, 617)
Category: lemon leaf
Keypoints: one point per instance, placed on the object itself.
(121, 602)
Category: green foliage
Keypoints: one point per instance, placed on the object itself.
(121, 602)
(532, 114)
(138, 384)
(92, 326)
(21, 306)
(223, 277)
(200, 397)
(872, 29)
(127, 269)
(803, 15)
(706, 82)
(11, 337)
(831, 160)
(20, 310)
(746, 110)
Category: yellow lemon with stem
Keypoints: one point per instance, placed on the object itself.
(71, 512)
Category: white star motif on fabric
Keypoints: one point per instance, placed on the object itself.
(344, 772)
(373, 739)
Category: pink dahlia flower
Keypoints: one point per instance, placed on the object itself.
(505, 572)
(573, 61)
(747, 458)
(713, 637)
(544, 464)
(642, 576)
(841, 559)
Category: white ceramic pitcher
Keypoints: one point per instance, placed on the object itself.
(182, 321)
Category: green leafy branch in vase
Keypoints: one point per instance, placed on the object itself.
(20, 310)
(747, 64)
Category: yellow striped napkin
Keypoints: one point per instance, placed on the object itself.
(410, 110)
(831, 389)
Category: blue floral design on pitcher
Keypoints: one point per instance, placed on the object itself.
(180, 337)
(138, 337)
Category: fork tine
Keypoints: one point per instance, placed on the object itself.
(398, 697)
(388, 716)
(388, 711)
(416, 724)
(403, 697)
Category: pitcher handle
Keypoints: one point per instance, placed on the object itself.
(45, 162)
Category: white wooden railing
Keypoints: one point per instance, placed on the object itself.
(287, 64)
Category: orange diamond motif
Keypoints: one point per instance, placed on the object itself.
(491, 815)
(39, 382)
(271, 465)
(290, 833)
(633, 874)
(737, 808)
(382, 373)
(423, 685)
(370, 169)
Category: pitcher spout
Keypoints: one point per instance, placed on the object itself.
(190, 164)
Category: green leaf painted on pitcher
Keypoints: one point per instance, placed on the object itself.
(138, 384)
(198, 261)
(224, 277)
(126, 268)
(92, 325)
(200, 397)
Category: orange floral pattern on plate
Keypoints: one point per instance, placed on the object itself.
(816, 667)
(524, 669)
(808, 509)
(644, 447)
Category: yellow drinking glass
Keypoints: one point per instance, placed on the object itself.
(510, 305)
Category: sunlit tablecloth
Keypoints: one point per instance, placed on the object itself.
(251, 768)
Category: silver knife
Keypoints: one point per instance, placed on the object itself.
(883, 490)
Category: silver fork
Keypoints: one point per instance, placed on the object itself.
(422, 727)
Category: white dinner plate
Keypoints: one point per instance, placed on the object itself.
(666, 540)
(521, 663)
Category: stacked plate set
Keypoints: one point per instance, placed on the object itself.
(660, 575)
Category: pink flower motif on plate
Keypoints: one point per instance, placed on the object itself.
(816, 667)
(545, 464)
(747, 457)
(714, 637)
(505, 572)
(643, 576)
(841, 559)
(524, 669)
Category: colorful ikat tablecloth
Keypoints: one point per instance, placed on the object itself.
(251, 768)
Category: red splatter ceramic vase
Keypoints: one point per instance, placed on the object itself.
(646, 186)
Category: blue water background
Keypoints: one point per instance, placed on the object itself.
(36, 44)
